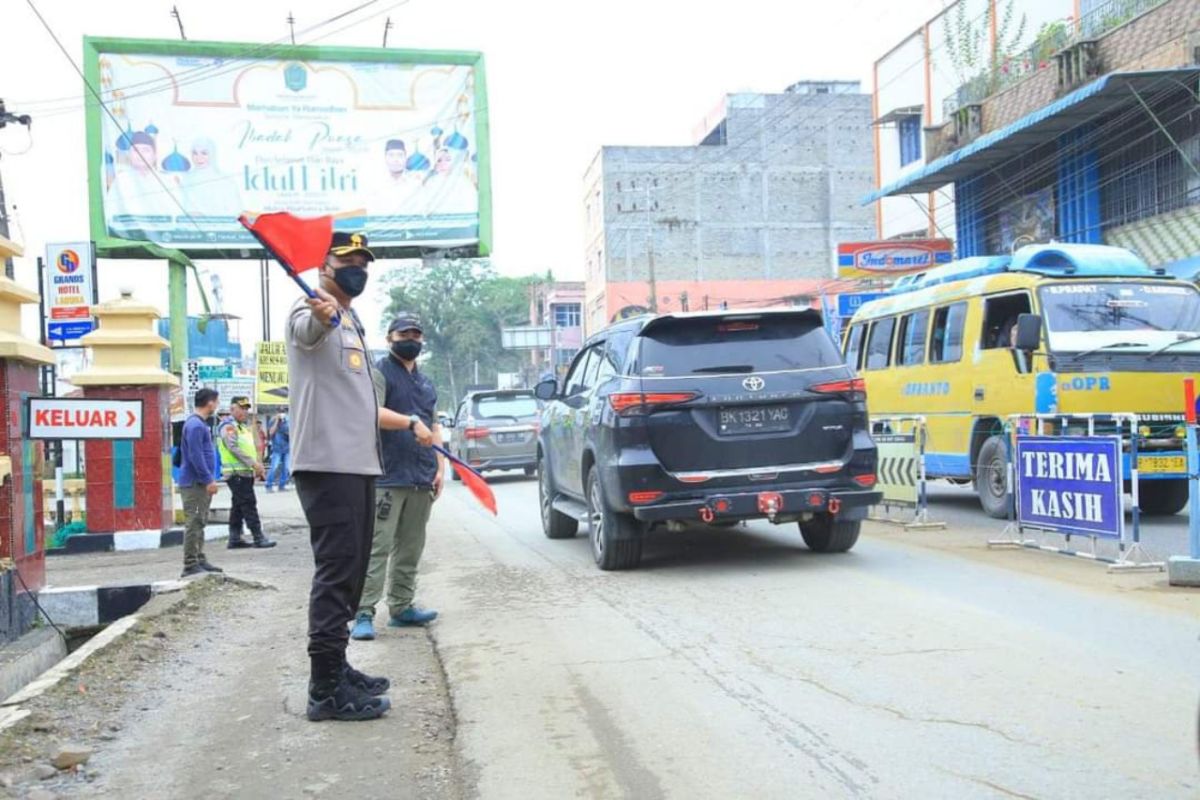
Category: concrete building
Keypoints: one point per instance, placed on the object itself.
(559, 307)
(1003, 122)
(750, 215)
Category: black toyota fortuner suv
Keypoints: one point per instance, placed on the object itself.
(706, 418)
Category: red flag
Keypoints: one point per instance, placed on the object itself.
(299, 244)
(472, 480)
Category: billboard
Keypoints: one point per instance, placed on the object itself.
(391, 142)
(891, 258)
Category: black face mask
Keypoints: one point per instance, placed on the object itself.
(351, 280)
(407, 349)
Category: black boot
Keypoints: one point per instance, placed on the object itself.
(332, 696)
(371, 685)
(262, 542)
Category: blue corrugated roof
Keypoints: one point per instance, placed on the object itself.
(941, 171)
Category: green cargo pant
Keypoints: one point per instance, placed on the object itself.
(400, 518)
(196, 503)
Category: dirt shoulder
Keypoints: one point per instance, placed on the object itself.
(206, 699)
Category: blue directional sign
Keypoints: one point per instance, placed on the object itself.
(69, 331)
(1070, 484)
(849, 303)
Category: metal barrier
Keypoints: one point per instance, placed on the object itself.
(901, 471)
(1092, 516)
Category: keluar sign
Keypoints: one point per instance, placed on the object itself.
(891, 258)
(1070, 484)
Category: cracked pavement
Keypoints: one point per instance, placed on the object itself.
(735, 663)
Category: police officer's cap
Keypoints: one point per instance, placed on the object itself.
(241, 401)
(344, 244)
(405, 321)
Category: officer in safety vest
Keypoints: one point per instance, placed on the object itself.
(335, 461)
(240, 466)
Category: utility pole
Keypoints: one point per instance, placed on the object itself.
(291, 21)
(5, 118)
(650, 254)
(387, 26)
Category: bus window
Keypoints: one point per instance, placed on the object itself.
(879, 343)
(946, 344)
(1000, 317)
(913, 330)
(854, 343)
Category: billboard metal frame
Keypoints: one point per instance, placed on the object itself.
(95, 47)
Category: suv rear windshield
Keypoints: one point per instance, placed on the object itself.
(506, 405)
(736, 346)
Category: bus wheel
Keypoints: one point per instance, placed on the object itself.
(991, 478)
(1162, 498)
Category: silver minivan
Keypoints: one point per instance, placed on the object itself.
(496, 430)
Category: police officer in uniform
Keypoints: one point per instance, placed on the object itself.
(335, 461)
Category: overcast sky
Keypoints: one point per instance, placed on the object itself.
(564, 77)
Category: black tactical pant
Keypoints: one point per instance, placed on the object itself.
(339, 510)
(244, 507)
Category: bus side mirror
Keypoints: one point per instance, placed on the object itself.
(1029, 332)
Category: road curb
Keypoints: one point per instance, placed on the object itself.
(125, 541)
(28, 657)
(89, 606)
(170, 595)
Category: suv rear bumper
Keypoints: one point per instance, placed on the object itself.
(504, 462)
(849, 504)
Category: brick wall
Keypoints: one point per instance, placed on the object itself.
(1159, 39)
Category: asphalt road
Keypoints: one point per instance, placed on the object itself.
(738, 664)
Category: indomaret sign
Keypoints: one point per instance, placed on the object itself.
(1070, 484)
(69, 418)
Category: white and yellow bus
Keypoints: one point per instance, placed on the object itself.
(1062, 329)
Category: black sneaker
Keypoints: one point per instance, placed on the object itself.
(371, 685)
(237, 544)
(263, 543)
(207, 567)
(345, 702)
(194, 569)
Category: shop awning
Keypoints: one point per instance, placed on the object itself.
(1101, 97)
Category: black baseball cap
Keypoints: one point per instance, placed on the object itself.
(344, 244)
(405, 321)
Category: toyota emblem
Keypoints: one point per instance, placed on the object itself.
(754, 383)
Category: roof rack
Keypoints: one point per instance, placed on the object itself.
(1052, 260)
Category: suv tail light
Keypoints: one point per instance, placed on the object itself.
(641, 498)
(866, 481)
(628, 404)
(475, 433)
(854, 388)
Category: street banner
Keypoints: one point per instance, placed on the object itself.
(74, 418)
(239, 385)
(272, 374)
(390, 141)
(1070, 484)
(70, 291)
(897, 474)
(884, 260)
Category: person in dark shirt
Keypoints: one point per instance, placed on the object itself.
(411, 482)
(197, 481)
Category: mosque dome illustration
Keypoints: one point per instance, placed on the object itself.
(456, 141)
(125, 140)
(176, 162)
(152, 129)
(418, 162)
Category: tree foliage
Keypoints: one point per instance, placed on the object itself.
(462, 305)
